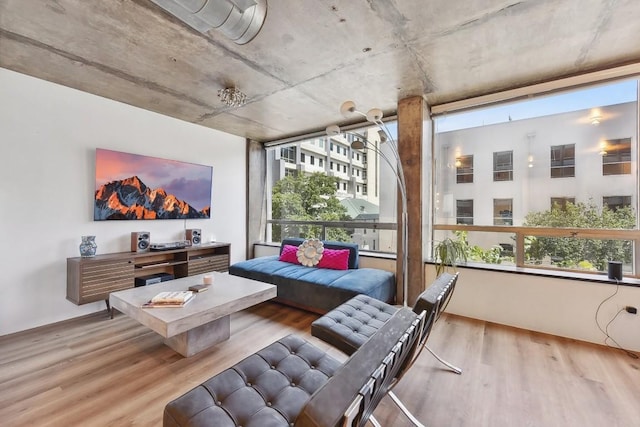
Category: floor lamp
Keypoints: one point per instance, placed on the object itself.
(375, 116)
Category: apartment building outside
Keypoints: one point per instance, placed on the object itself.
(358, 172)
(497, 174)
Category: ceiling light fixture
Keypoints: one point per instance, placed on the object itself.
(232, 97)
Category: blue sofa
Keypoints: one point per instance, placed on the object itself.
(318, 289)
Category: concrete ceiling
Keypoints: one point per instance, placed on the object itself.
(311, 55)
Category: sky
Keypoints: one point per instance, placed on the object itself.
(189, 182)
(596, 96)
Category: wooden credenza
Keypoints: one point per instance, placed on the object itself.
(92, 279)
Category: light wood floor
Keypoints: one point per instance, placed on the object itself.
(95, 371)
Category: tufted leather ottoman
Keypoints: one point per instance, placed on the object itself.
(349, 325)
(352, 323)
(268, 388)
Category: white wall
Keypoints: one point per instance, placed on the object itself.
(551, 305)
(48, 137)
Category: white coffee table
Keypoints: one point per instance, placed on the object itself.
(204, 321)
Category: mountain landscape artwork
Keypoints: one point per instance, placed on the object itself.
(132, 186)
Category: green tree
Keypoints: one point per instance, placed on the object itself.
(308, 198)
(574, 252)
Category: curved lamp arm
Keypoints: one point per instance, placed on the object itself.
(396, 168)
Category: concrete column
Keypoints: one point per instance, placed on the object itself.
(256, 197)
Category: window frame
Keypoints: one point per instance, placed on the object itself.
(501, 219)
(461, 210)
(618, 162)
(564, 161)
(625, 202)
(565, 165)
(500, 170)
(464, 169)
(561, 202)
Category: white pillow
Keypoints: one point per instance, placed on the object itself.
(310, 252)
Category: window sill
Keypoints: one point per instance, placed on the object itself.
(567, 275)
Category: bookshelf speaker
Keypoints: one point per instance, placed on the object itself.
(140, 241)
(614, 270)
(194, 235)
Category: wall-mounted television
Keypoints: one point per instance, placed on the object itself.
(131, 187)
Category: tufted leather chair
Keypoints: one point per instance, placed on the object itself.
(349, 326)
(269, 387)
(294, 383)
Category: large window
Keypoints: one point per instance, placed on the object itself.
(354, 200)
(536, 167)
(492, 166)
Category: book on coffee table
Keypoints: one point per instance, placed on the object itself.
(170, 299)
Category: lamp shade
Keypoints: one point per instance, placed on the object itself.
(383, 136)
(347, 108)
(374, 115)
(357, 144)
(333, 130)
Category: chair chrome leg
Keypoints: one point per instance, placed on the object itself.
(375, 422)
(404, 410)
(444, 362)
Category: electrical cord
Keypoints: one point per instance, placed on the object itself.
(605, 331)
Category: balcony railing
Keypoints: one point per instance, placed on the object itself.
(502, 245)
(370, 235)
(520, 239)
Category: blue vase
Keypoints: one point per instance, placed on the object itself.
(88, 246)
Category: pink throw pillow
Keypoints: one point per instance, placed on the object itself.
(289, 254)
(335, 259)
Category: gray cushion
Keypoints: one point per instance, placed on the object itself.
(351, 324)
